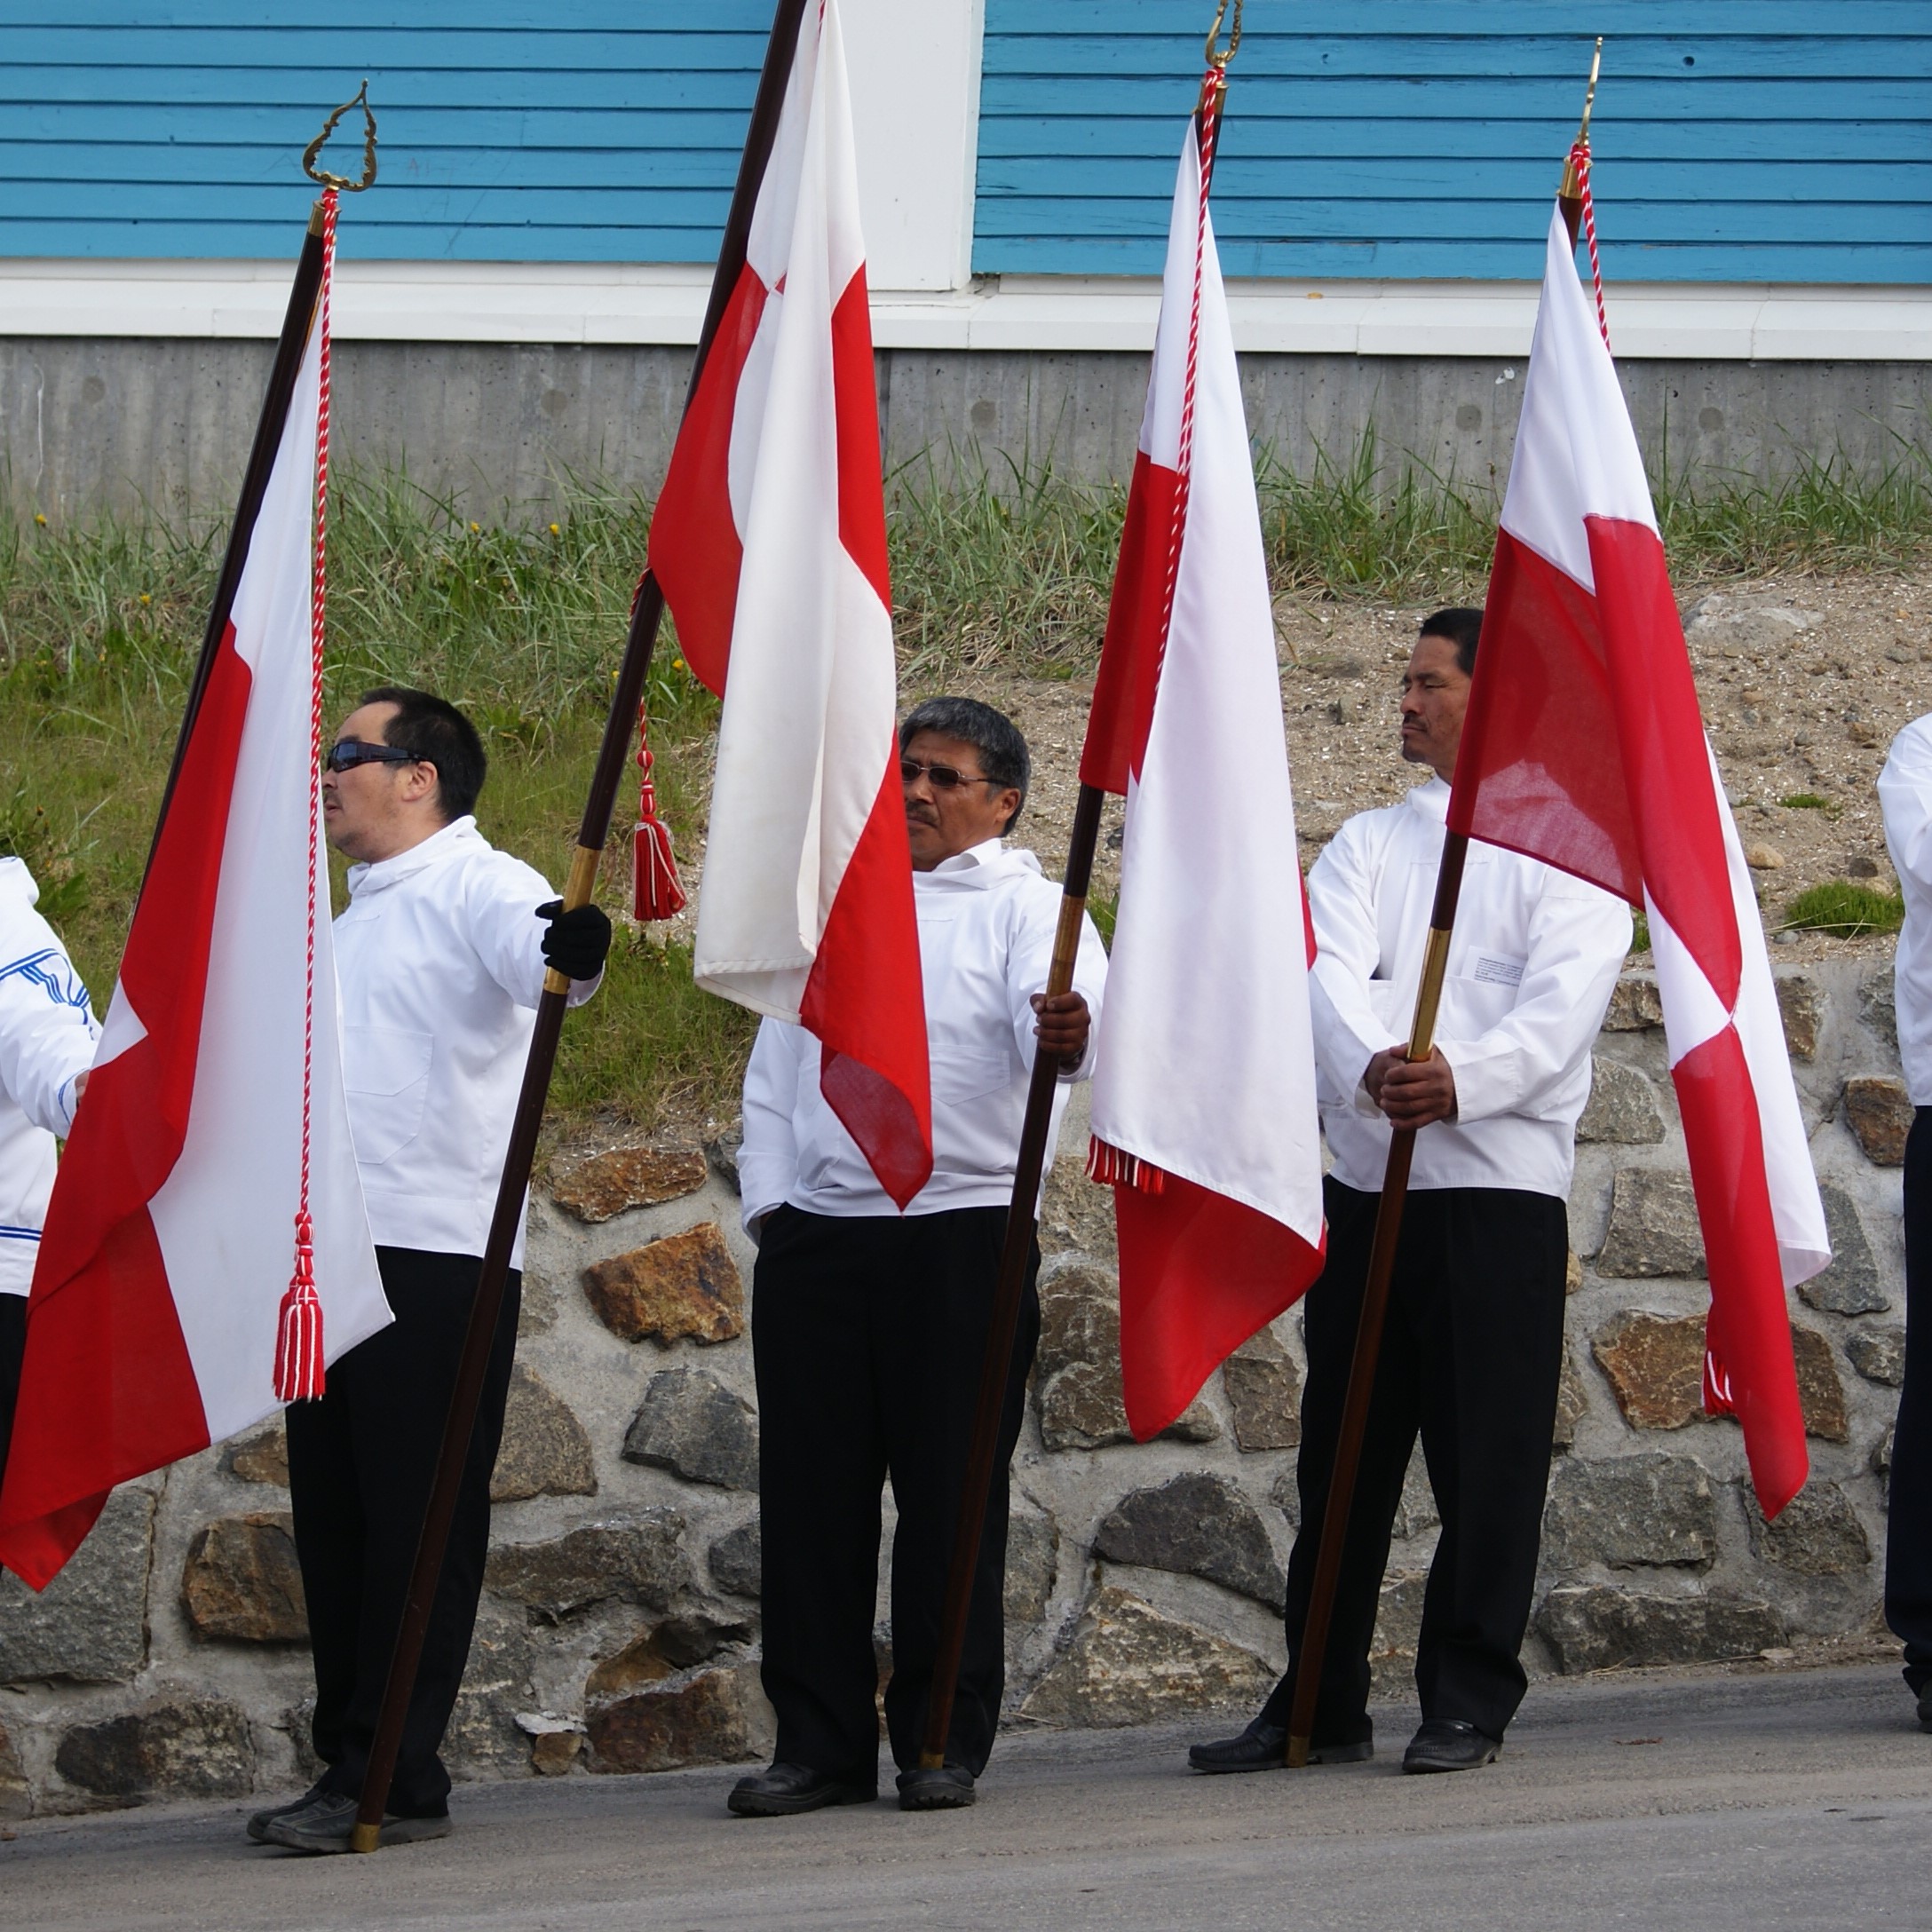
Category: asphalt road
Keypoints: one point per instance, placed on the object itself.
(1754, 1800)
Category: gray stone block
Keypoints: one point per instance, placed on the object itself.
(1622, 1106)
(176, 1747)
(1850, 1285)
(545, 1451)
(1818, 1533)
(1077, 1370)
(1653, 1226)
(1033, 1553)
(1599, 1626)
(1199, 1525)
(484, 1739)
(1635, 1005)
(91, 1623)
(1628, 1512)
(1878, 1354)
(735, 1560)
(1263, 1393)
(1127, 1663)
(689, 1423)
(637, 1559)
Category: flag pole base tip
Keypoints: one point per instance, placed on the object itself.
(365, 1837)
(1297, 1758)
(933, 1761)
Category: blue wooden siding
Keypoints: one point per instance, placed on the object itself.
(589, 130)
(1736, 140)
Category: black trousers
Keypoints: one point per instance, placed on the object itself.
(362, 1462)
(13, 1348)
(1908, 1532)
(1471, 1355)
(868, 1336)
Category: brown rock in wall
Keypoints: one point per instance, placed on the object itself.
(1820, 1393)
(241, 1581)
(606, 1185)
(1879, 1112)
(262, 1457)
(1800, 1005)
(685, 1285)
(716, 1717)
(1654, 1364)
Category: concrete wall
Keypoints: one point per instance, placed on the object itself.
(619, 1629)
(94, 424)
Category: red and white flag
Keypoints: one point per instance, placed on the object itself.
(152, 1325)
(769, 542)
(1203, 1092)
(1584, 748)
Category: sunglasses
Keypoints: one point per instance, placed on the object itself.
(943, 778)
(347, 753)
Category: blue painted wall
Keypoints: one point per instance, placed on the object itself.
(1736, 140)
(588, 130)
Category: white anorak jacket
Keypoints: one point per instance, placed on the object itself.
(440, 960)
(1906, 801)
(986, 921)
(1531, 966)
(47, 1039)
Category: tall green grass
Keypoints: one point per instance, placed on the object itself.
(996, 571)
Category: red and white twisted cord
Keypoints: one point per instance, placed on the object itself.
(1579, 159)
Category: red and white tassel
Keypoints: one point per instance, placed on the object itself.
(655, 890)
(1112, 1167)
(298, 1327)
(299, 1332)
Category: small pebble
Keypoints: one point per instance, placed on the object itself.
(1763, 857)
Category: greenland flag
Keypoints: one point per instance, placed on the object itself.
(1584, 748)
(768, 542)
(170, 1236)
(1203, 1092)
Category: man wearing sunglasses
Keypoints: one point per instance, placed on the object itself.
(441, 959)
(868, 1325)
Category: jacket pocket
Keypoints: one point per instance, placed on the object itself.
(385, 1071)
(1473, 1002)
(963, 1074)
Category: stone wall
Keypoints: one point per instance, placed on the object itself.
(619, 1630)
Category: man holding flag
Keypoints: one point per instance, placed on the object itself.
(869, 1323)
(1473, 1349)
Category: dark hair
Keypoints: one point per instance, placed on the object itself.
(1462, 627)
(993, 735)
(433, 729)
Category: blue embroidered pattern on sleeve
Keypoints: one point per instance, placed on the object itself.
(50, 970)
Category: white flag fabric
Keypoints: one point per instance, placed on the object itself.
(769, 542)
(1204, 1112)
(170, 1236)
(1584, 746)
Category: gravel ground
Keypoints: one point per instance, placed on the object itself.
(1804, 681)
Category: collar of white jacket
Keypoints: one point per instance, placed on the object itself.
(458, 834)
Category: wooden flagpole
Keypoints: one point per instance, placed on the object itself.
(646, 612)
(996, 1364)
(1395, 1188)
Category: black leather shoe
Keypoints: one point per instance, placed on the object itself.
(1264, 1747)
(947, 1789)
(1448, 1744)
(786, 1789)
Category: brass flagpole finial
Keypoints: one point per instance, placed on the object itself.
(1216, 82)
(359, 99)
(1571, 181)
(1219, 57)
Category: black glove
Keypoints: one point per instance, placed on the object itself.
(575, 943)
